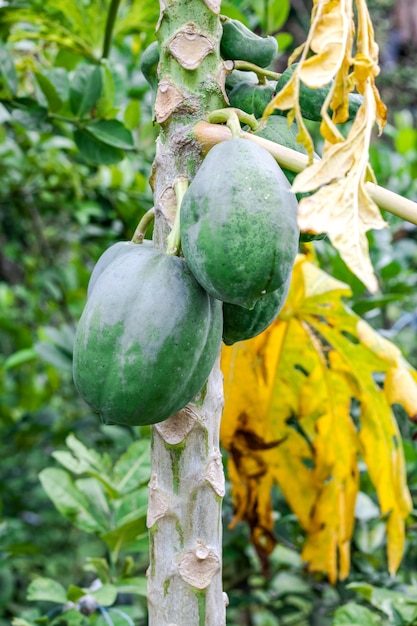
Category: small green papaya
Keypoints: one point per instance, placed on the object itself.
(147, 339)
(238, 43)
(311, 100)
(240, 324)
(239, 230)
(149, 64)
(239, 76)
(251, 98)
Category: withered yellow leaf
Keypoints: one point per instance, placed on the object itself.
(342, 207)
(287, 421)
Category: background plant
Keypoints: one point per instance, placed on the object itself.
(60, 205)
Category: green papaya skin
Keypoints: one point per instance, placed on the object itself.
(251, 98)
(311, 100)
(149, 64)
(239, 230)
(239, 76)
(240, 324)
(238, 43)
(118, 249)
(147, 338)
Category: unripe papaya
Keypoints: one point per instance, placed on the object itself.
(311, 100)
(149, 64)
(251, 98)
(116, 250)
(147, 339)
(239, 230)
(240, 324)
(239, 76)
(238, 43)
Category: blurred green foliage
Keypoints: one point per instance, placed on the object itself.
(76, 148)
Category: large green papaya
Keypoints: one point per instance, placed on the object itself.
(240, 324)
(238, 43)
(147, 339)
(239, 230)
(117, 249)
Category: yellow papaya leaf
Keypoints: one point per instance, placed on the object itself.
(342, 207)
(338, 50)
(287, 421)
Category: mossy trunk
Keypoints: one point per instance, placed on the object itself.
(187, 484)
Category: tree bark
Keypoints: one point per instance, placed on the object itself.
(187, 480)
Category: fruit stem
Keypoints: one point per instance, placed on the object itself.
(259, 71)
(233, 118)
(145, 221)
(174, 237)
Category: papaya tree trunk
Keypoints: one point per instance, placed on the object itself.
(187, 481)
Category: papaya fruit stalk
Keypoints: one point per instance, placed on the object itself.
(187, 483)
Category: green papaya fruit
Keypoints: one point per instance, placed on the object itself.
(251, 98)
(147, 338)
(238, 43)
(239, 230)
(311, 100)
(240, 324)
(118, 249)
(149, 64)
(239, 76)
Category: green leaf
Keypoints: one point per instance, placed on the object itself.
(112, 133)
(75, 593)
(136, 585)
(69, 501)
(131, 116)
(85, 89)
(20, 357)
(132, 507)
(278, 12)
(284, 41)
(106, 104)
(96, 152)
(49, 91)
(105, 595)
(133, 467)
(122, 537)
(100, 566)
(46, 589)
(53, 355)
(8, 75)
(352, 614)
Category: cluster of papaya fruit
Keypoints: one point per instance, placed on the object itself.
(153, 323)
